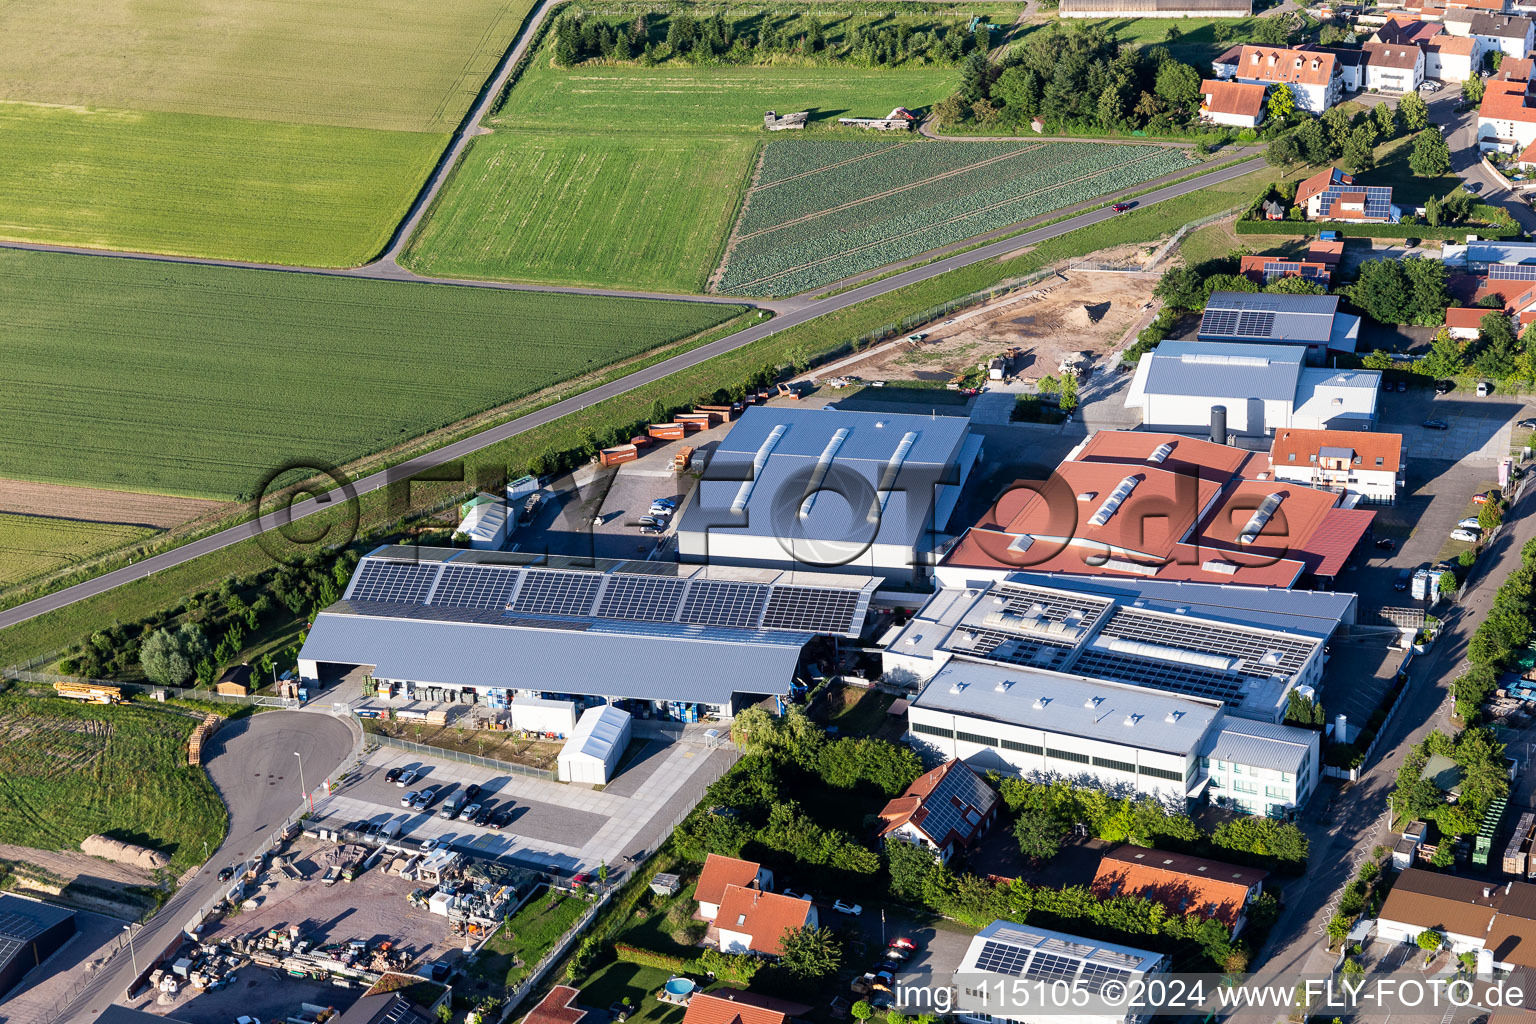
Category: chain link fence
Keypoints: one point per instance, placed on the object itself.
(137, 689)
(461, 757)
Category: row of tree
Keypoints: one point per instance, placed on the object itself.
(1339, 137)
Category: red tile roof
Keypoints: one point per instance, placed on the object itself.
(1326, 250)
(1271, 64)
(719, 873)
(1505, 100)
(726, 1006)
(1181, 883)
(1244, 99)
(558, 1007)
(1321, 182)
(1467, 317)
(1461, 46)
(1514, 69)
(1389, 55)
(1369, 445)
(1253, 266)
(1336, 539)
(764, 916)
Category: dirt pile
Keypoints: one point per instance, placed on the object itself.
(124, 853)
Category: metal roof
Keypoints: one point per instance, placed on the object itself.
(1070, 706)
(600, 734)
(615, 660)
(1224, 370)
(1029, 951)
(826, 474)
(1281, 748)
(1231, 316)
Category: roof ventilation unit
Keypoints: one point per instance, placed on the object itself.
(1041, 702)
(1132, 719)
(759, 462)
(1114, 501)
(1093, 702)
(956, 687)
(1161, 453)
(1002, 685)
(819, 474)
(1173, 717)
(1259, 519)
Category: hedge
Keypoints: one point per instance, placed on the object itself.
(649, 958)
(1305, 227)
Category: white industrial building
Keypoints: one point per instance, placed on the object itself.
(1310, 320)
(499, 627)
(597, 745)
(483, 522)
(830, 491)
(1006, 962)
(535, 714)
(1258, 388)
(1167, 689)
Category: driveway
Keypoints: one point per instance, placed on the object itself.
(1466, 159)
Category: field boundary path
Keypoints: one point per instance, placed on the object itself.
(927, 131)
(794, 312)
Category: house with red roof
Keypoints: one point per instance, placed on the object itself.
(558, 1007)
(754, 921)
(1239, 104)
(1330, 194)
(719, 874)
(1506, 119)
(1183, 884)
(1366, 464)
(944, 810)
(728, 1006)
(1315, 77)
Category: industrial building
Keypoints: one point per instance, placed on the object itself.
(1313, 321)
(30, 932)
(594, 749)
(830, 491)
(1005, 959)
(1160, 506)
(1252, 390)
(1170, 689)
(495, 627)
(1497, 921)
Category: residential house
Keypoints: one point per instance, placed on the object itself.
(1506, 119)
(728, 1006)
(1364, 464)
(1263, 268)
(1509, 34)
(945, 810)
(1238, 104)
(719, 874)
(557, 1007)
(1330, 194)
(1465, 322)
(753, 921)
(1181, 883)
(1393, 67)
(1327, 251)
(1449, 58)
(1470, 915)
(1351, 64)
(1224, 67)
(1314, 76)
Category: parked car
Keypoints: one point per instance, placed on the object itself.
(659, 511)
(409, 799)
(1527, 424)
(1444, 387)
(1480, 498)
(424, 799)
(910, 945)
(1386, 544)
(1436, 425)
(486, 812)
(1484, 389)
(652, 530)
(1120, 207)
(393, 774)
(471, 791)
(501, 819)
(1404, 577)
(851, 909)
(650, 521)
(917, 337)
(225, 874)
(469, 812)
(1465, 535)
(430, 844)
(452, 808)
(1470, 523)
(406, 778)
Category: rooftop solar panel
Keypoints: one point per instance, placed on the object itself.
(812, 609)
(645, 598)
(1512, 272)
(557, 592)
(398, 582)
(475, 586)
(721, 603)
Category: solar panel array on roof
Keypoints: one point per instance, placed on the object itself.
(479, 586)
(1003, 958)
(1512, 272)
(1378, 199)
(722, 603)
(557, 593)
(804, 608)
(402, 582)
(644, 598)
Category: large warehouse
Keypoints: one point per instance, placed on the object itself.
(493, 627)
(831, 491)
(1170, 689)
(30, 932)
(1259, 388)
(1311, 321)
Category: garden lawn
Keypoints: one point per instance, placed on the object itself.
(1196, 43)
(862, 210)
(68, 770)
(712, 100)
(527, 936)
(196, 380)
(621, 210)
(1408, 189)
(192, 185)
(617, 981)
(32, 546)
(388, 64)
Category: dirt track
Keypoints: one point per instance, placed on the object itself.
(90, 504)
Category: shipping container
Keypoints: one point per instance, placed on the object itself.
(667, 431)
(623, 453)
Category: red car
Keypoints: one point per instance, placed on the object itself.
(1121, 207)
(1480, 499)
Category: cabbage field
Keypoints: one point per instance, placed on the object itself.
(822, 211)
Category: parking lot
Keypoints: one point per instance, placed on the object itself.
(554, 826)
(265, 993)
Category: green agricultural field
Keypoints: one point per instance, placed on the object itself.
(198, 381)
(825, 210)
(32, 546)
(192, 185)
(69, 770)
(629, 211)
(388, 64)
(711, 100)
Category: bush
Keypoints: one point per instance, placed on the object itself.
(649, 958)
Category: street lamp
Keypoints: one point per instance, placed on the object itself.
(301, 783)
(129, 929)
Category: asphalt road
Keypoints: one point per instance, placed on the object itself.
(800, 313)
(252, 765)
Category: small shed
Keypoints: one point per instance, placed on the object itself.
(594, 749)
(484, 522)
(235, 682)
(666, 884)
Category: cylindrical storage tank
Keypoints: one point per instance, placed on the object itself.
(1219, 424)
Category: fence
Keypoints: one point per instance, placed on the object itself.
(178, 692)
(1178, 235)
(455, 755)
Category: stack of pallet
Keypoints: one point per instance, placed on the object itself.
(204, 729)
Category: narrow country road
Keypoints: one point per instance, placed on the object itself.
(795, 313)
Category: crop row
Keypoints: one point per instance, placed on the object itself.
(826, 249)
(785, 158)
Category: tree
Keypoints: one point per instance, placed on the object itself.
(1444, 358)
(1312, 137)
(1068, 398)
(909, 866)
(1282, 103)
(810, 954)
(1431, 157)
(1339, 124)
(1497, 345)
(1472, 89)
(1414, 112)
(973, 77)
(1039, 837)
(1432, 215)
(1338, 929)
(1429, 940)
(1360, 150)
(1283, 152)
(951, 110)
(1181, 288)
(1382, 291)
(1377, 360)
(1386, 120)
(170, 657)
(1018, 90)
(861, 1010)
(1178, 84)
(1295, 285)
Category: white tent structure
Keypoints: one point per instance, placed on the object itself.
(594, 749)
